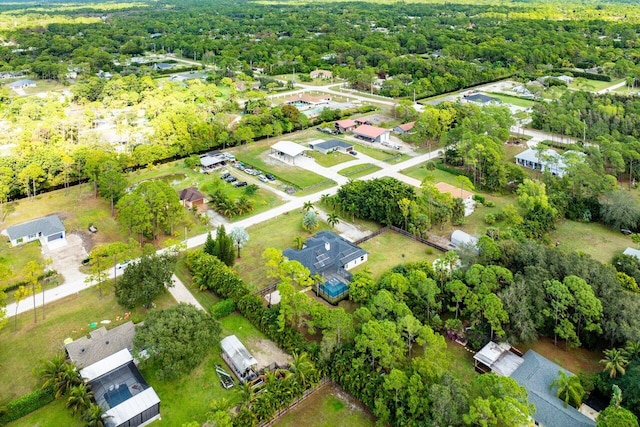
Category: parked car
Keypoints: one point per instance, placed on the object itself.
(353, 152)
(626, 231)
(231, 178)
(240, 184)
(225, 175)
(249, 171)
(263, 178)
(270, 177)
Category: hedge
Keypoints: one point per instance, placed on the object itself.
(441, 166)
(26, 404)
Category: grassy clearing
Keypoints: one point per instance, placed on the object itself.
(328, 407)
(277, 233)
(597, 240)
(237, 325)
(330, 159)
(575, 360)
(357, 171)
(257, 155)
(513, 100)
(390, 249)
(460, 362)
(33, 343)
(55, 414)
(188, 398)
(16, 258)
(593, 85)
(388, 156)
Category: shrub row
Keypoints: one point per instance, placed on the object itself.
(14, 286)
(441, 166)
(26, 404)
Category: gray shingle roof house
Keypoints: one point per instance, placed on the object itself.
(536, 374)
(100, 344)
(326, 147)
(46, 229)
(121, 391)
(190, 197)
(21, 84)
(326, 253)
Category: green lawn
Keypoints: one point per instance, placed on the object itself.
(328, 407)
(237, 325)
(357, 171)
(34, 343)
(330, 159)
(513, 100)
(460, 362)
(16, 258)
(597, 240)
(383, 154)
(277, 233)
(390, 249)
(257, 155)
(54, 414)
(594, 85)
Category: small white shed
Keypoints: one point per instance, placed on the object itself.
(460, 238)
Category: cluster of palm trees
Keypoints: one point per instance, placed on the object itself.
(615, 360)
(310, 218)
(222, 204)
(279, 389)
(62, 376)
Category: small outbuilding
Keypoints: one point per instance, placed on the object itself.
(287, 151)
(213, 160)
(405, 128)
(632, 252)
(460, 238)
(326, 147)
(241, 362)
(372, 133)
(49, 230)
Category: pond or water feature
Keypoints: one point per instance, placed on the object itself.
(174, 178)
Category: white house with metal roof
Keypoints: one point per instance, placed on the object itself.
(49, 230)
(547, 160)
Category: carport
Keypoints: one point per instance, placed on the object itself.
(287, 151)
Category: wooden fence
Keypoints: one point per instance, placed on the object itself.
(295, 402)
(434, 241)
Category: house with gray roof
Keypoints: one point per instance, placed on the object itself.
(49, 230)
(481, 99)
(21, 84)
(100, 344)
(547, 160)
(326, 147)
(536, 374)
(327, 253)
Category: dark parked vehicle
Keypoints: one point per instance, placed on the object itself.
(225, 176)
(231, 178)
(270, 177)
(240, 184)
(353, 152)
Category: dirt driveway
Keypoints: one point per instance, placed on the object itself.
(267, 352)
(66, 260)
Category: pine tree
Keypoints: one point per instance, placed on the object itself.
(209, 245)
(224, 247)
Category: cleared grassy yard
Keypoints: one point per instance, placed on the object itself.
(357, 171)
(593, 85)
(277, 233)
(389, 249)
(55, 414)
(16, 259)
(328, 407)
(330, 159)
(34, 343)
(597, 240)
(389, 156)
(513, 100)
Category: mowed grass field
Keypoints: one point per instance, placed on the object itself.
(597, 240)
(328, 407)
(357, 171)
(54, 414)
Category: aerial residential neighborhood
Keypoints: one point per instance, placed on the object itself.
(320, 213)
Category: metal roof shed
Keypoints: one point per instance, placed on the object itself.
(237, 353)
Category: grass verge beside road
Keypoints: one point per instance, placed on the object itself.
(330, 159)
(357, 171)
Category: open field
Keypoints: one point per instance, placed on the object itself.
(330, 159)
(357, 171)
(513, 100)
(389, 249)
(16, 259)
(277, 233)
(388, 156)
(597, 240)
(33, 343)
(593, 85)
(328, 407)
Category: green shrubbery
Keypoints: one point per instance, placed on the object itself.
(223, 308)
(26, 404)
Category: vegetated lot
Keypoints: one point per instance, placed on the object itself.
(389, 249)
(574, 360)
(328, 407)
(277, 233)
(513, 100)
(189, 398)
(54, 414)
(592, 85)
(597, 240)
(16, 258)
(460, 362)
(357, 171)
(257, 155)
(330, 159)
(262, 199)
(206, 298)
(382, 153)
(23, 350)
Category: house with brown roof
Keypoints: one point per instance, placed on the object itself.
(321, 74)
(306, 100)
(346, 125)
(466, 196)
(372, 133)
(404, 129)
(191, 198)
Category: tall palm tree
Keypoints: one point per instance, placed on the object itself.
(333, 219)
(298, 242)
(632, 349)
(615, 361)
(61, 375)
(302, 369)
(308, 205)
(569, 389)
(79, 399)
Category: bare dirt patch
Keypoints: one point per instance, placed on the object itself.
(267, 352)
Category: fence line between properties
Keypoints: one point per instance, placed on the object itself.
(441, 246)
(296, 402)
